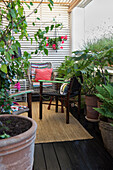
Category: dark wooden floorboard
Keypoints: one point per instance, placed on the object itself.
(91, 155)
(51, 159)
(74, 155)
(39, 159)
(103, 154)
(63, 158)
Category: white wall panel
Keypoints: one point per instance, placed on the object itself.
(46, 18)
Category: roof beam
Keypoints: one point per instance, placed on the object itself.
(62, 3)
(73, 4)
(43, 2)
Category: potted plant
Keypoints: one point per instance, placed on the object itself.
(16, 149)
(105, 94)
(68, 68)
(54, 43)
(17, 136)
(92, 62)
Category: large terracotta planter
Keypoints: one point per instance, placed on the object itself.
(17, 153)
(107, 135)
(91, 101)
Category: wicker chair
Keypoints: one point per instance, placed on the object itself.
(35, 86)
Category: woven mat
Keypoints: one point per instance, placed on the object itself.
(52, 127)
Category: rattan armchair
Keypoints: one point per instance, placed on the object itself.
(35, 86)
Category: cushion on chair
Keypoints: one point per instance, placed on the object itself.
(37, 84)
(35, 66)
(64, 88)
(43, 74)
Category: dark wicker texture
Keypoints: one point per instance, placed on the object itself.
(107, 135)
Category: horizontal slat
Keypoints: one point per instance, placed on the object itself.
(46, 18)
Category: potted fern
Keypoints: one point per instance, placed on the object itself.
(105, 94)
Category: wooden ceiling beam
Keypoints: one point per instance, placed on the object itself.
(73, 4)
(61, 3)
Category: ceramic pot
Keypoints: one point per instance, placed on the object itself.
(17, 153)
(91, 101)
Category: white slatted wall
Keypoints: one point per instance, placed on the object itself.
(4, 19)
(46, 18)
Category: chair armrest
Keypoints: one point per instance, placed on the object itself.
(58, 78)
(50, 81)
(29, 101)
(20, 93)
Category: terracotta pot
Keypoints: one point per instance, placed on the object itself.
(91, 101)
(107, 135)
(17, 153)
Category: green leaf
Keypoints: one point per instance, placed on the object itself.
(52, 26)
(1, 49)
(33, 23)
(38, 18)
(4, 136)
(51, 2)
(27, 5)
(31, 3)
(50, 7)
(47, 29)
(45, 51)
(12, 12)
(35, 11)
(21, 36)
(20, 11)
(31, 40)
(11, 51)
(36, 51)
(57, 25)
(12, 38)
(4, 68)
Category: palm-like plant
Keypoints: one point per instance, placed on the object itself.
(93, 64)
(105, 94)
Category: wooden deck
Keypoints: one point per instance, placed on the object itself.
(81, 155)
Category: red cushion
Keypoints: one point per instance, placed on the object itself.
(43, 74)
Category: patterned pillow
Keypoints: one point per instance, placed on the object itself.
(43, 74)
(35, 66)
(64, 88)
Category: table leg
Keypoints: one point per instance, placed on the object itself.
(29, 101)
(40, 108)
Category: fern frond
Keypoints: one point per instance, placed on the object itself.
(102, 91)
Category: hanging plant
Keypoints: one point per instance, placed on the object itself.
(56, 43)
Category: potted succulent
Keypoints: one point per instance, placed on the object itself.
(16, 149)
(105, 94)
